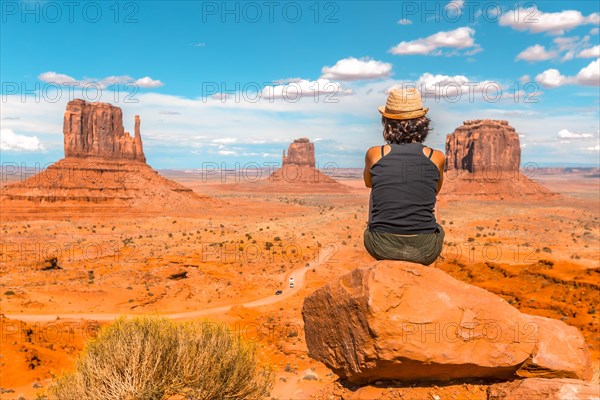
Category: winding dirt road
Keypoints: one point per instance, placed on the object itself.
(297, 274)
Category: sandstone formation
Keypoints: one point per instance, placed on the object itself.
(298, 172)
(102, 163)
(480, 145)
(544, 389)
(404, 321)
(96, 130)
(559, 352)
(483, 158)
(97, 180)
(300, 152)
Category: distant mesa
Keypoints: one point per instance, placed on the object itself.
(300, 152)
(96, 130)
(298, 168)
(298, 174)
(102, 163)
(483, 158)
(481, 145)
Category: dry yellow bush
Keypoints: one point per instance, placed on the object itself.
(153, 358)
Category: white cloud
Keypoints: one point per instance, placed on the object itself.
(569, 42)
(404, 21)
(587, 76)
(592, 52)
(566, 134)
(226, 152)
(201, 44)
(590, 75)
(147, 82)
(303, 89)
(551, 78)
(353, 69)
(452, 88)
(535, 53)
(568, 56)
(10, 141)
(594, 31)
(286, 80)
(460, 38)
(568, 46)
(62, 79)
(476, 49)
(225, 140)
(53, 77)
(535, 21)
(594, 148)
(525, 78)
(454, 7)
(432, 83)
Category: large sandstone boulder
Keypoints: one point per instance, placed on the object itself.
(96, 130)
(544, 389)
(404, 321)
(560, 351)
(480, 145)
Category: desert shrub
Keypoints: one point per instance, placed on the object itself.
(153, 358)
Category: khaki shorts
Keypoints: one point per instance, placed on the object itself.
(423, 248)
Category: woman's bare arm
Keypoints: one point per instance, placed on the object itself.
(373, 155)
(367, 171)
(440, 161)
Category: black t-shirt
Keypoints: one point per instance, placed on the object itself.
(403, 194)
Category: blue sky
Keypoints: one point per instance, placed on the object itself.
(293, 69)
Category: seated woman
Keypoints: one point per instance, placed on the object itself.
(405, 177)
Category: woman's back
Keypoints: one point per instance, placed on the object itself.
(404, 182)
(404, 187)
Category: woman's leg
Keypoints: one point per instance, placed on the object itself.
(369, 242)
(386, 246)
(423, 249)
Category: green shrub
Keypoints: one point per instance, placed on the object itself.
(152, 358)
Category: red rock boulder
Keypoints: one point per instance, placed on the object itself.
(403, 321)
(560, 352)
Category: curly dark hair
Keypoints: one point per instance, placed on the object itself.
(405, 131)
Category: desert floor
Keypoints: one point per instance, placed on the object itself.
(234, 253)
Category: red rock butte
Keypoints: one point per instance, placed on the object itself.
(96, 130)
(298, 174)
(480, 145)
(300, 152)
(298, 168)
(102, 164)
(483, 158)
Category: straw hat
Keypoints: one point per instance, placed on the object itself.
(403, 103)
